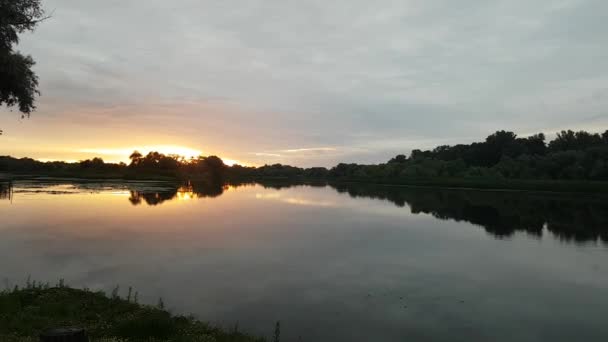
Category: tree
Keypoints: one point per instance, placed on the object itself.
(95, 163)
(535, 144)
(18, 83)
(401, 158)
(570, 140)
(135, 158)
(499, 144)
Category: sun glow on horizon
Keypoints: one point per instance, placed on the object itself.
(124, 153)
(50, 160)
(231, 162)
(116, 155)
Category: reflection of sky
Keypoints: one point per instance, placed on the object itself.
(342, 273)
(295, 200)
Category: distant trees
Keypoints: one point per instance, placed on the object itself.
(570, 156)
(502, 155)
(97, 163)
(18, 82)
(155, 163)
(570, 140)
(401, 158)
(135, 158)
(211, 167)
(148, 166)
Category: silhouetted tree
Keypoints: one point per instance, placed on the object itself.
(18, 82)
(570, 156)
(95, 163)
(135, 158)
(534, 145)
(570, 140)
(401, 158)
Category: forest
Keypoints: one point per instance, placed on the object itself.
(570, 156)
(502, 156)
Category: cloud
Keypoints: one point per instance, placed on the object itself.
(313, 149)
(351, 74)
(264, 154)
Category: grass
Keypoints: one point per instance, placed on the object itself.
(25, 313)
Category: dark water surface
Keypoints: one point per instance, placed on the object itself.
(332, 263)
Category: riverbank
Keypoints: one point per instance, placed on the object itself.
(502, 184)
(532, 185)
(25, 313)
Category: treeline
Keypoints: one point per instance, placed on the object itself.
(580, 156)
(503, 155)
(574, 156)
(153, 165)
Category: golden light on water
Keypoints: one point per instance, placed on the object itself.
(185, 193)
(294, 200)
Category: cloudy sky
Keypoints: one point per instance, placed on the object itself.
(307, 82)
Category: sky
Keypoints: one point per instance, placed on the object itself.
(308, 83)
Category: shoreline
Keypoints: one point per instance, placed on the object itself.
(506, 185)
(27, 312)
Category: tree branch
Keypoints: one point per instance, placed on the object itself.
(32, 21)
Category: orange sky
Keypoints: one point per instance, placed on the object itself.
(112, 133)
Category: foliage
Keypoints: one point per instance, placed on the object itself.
(503, 155)
(19, 85)
(154, 165)
(571, 156)
(25, 313)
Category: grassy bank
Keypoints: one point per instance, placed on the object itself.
(25, 313)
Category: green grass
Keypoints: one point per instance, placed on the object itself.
(25, 313)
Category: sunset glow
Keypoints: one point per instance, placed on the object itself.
(122, 154)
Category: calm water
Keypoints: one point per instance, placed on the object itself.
(345, 263)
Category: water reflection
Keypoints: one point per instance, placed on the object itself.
(187, 191)
(569, 217)
(6, 191)
(335, 262)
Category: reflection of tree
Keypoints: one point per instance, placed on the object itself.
(570, 218)
(207, 189)
(151, 198)
(188, 190)
(6, 191)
